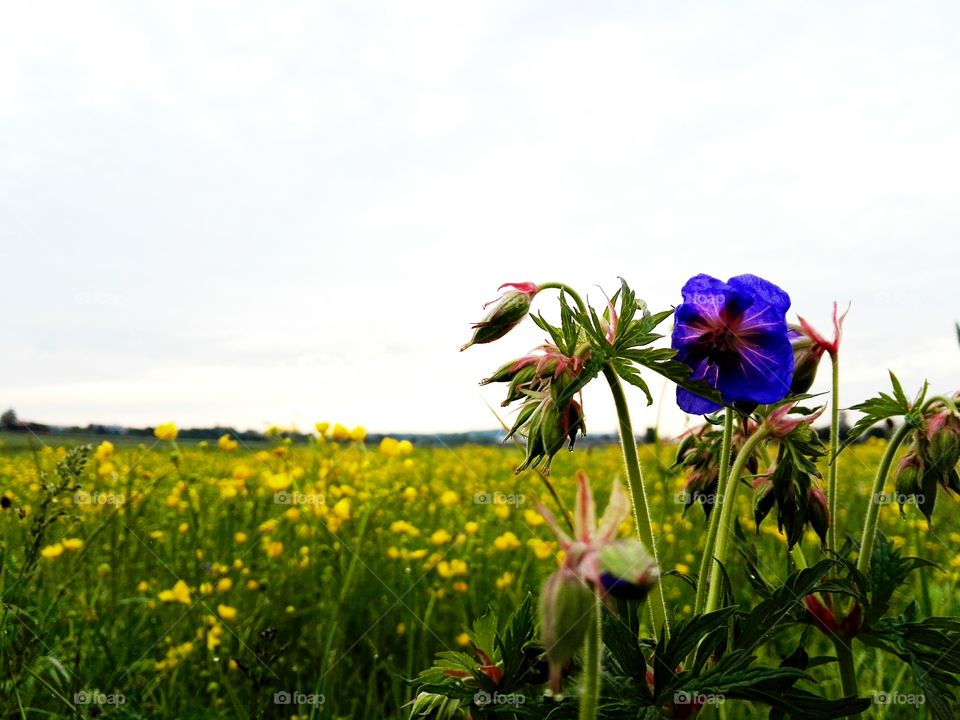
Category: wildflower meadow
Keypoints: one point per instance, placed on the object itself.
(746, 569)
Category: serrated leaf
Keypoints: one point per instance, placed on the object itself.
(888, 570)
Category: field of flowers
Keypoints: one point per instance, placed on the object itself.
(316, 580)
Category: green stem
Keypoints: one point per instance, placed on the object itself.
(848, 673)
(832, 489)
(706, 561)
(641, 512)
(728, 515)
(563, 287)
(799, 559)
(873, 507)
(590, 694)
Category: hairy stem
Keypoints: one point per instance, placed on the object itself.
(728, 515)
(873, 507)
(832, 489)
(706, 562)
(641, 512)
(563, 287)
(590, 693)
(848, 673)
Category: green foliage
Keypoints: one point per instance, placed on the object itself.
(887, 405)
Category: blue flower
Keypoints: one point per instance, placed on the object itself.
(734, 336)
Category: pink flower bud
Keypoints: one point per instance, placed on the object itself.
(507, 311)
(782, 424)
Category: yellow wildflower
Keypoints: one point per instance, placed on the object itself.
(166, 431)
(507, 541)
(179, 593)
(440, 537)
(52, 552)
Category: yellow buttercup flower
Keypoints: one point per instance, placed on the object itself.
(72, 544)
(166, 431)
(52, 552)
(277, 481)
(449, 498)
(342, 509)
(358, 434)
(104, 451)
(226, 612)
(180, 593)
(507, 541)
(440, 537)
(505, 580)
(227, 443)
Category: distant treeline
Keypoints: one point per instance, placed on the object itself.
(10, 423)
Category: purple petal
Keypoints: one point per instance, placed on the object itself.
(692, 403)
(763, 290)
(759, 373)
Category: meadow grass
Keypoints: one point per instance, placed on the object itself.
(199, 582)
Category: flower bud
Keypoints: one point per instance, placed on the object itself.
(506, 313)
(907, 479)
(781, 423)
(763, 499)
(927, 498)
(549, 429)
(626, 570)
(566, 611)
(506, 372)
(943, 450)
(820, 614)
(818, 513)
(806, 359)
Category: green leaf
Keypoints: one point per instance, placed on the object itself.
(888, 570)
(930, 647)
(630, 375)
(878, 408)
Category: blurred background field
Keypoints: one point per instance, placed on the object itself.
(203, 580)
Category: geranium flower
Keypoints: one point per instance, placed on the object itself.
(733, 335)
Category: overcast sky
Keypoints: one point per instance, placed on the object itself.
(290, 212)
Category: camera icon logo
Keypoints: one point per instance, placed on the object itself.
(282, 498)
(282, 698)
